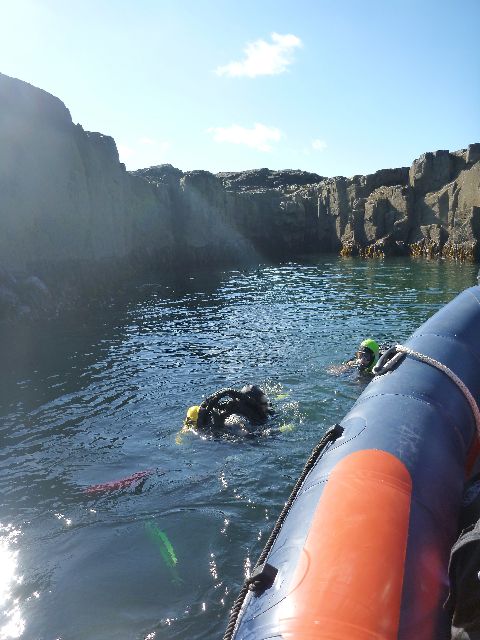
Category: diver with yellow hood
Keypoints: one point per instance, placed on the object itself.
(229, 408)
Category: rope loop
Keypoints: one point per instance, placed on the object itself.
(388, 360)
(395, 354)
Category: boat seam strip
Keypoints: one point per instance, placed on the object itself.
(402, 351)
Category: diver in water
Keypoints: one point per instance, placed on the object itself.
(367, 356)
(231, 410)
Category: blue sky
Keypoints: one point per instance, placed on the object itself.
(335, 87)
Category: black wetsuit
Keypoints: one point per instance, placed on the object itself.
(464, 597)
(215, 409)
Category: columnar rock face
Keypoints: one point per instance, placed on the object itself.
(447, 220)
(69, 208)
(64, 195)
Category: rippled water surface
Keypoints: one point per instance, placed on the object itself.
(102, 395)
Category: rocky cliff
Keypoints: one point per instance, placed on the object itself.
(431, 209)
(70, 212)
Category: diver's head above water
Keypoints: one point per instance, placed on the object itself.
(192, 416)
(257, 398)
(367, 355)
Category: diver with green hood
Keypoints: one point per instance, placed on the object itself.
(367, 356)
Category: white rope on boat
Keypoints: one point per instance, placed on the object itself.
(402, 351)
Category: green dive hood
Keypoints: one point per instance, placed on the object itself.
(374, 348)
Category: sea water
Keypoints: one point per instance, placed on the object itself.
(100, 395)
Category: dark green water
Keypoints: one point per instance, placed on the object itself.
(103, 395)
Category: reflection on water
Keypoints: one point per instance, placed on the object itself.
(130, 531)
(12, 625)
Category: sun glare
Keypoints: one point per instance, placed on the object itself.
(12, 624)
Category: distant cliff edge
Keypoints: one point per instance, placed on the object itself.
(70, 213)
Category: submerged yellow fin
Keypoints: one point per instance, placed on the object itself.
(181, 434)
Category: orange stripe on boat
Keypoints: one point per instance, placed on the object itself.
(348, 583)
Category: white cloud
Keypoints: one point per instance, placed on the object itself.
(263, 58)
(258, 137)
(319, 145)
(143, 152)
(125, 152)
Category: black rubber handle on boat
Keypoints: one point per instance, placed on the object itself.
(262, 578)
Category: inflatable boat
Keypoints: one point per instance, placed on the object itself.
(361, 549)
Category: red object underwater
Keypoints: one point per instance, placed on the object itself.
(115, 485)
